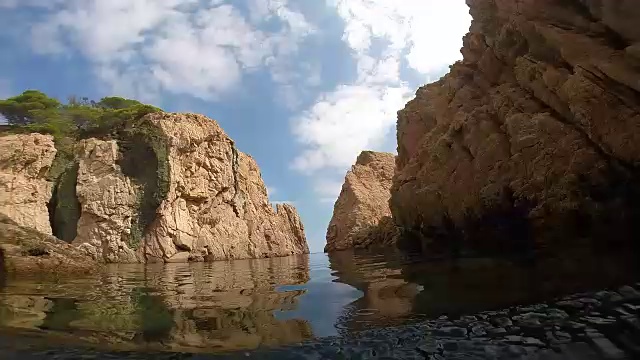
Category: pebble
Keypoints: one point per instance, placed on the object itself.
(451, 331)
(629, 293)
(608, 349)
(502, 321)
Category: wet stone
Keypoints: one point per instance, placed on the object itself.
(556, 314)
(532, 308)
(578, 351)
(574, 304)
(479, 330)
(633, 308)
(589, 301)
(502, 321)
(529, 319)
(607, 349)
(468, 318)
(598, 321)
(629, 293)
(451, 331)
(497, 331)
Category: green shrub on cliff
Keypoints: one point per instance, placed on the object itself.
(34, 111)
(110, 118)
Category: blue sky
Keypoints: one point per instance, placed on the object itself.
(301, 85)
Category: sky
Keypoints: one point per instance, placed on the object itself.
(301, 85)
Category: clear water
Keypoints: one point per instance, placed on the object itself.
(245, 304)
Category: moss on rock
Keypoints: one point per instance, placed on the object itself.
(144, 143)
(64, 208)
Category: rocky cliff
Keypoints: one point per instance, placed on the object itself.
(532, 139)
(361, 215)
(169, 187)
(25, 160)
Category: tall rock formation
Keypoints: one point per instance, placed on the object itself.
(216, 206)
(25, 160)
(167, 187)
(361, 215)
(535, 134)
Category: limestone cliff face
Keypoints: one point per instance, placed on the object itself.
(538, 128)
(25, 160)
(169, 187)
(361, 213)
(217, 205)
(108, 202)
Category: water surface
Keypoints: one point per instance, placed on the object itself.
(246, 304)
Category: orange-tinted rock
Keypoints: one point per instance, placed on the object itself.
(361, 215)
(536, 131)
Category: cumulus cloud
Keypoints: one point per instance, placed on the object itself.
(188, 47)
(384, 36)
(344, 122)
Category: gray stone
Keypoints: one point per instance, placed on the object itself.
(570, 304)
(502, 321)
(629, 293)
(451, 331)
(607, 349)
(598, 321)
(497, 331)
(578, 351)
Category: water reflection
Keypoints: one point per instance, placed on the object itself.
(222, 305)
(245, 304)
(401, 288)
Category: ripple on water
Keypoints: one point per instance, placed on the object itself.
(245, 304)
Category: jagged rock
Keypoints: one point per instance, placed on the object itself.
(25, 160)
(361, 215)
(536, 130)
(216, 206)
(25, 251)
(167, 188)
(108, 202)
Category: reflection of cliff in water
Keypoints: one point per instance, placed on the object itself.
(404, 288)
(209, 306)
(387, 297)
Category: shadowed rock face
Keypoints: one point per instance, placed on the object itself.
(535, 132)
(362, 209)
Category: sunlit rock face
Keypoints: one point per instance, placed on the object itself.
(361, 212)
(165, 188)
(25, 160)
(216, 206)
(533, 138)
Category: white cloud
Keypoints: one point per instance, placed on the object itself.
(344, 122)
(424, 34)
(181, 46)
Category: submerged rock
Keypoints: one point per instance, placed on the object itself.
(361, 215)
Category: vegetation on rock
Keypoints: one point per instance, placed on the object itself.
(111, 118)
